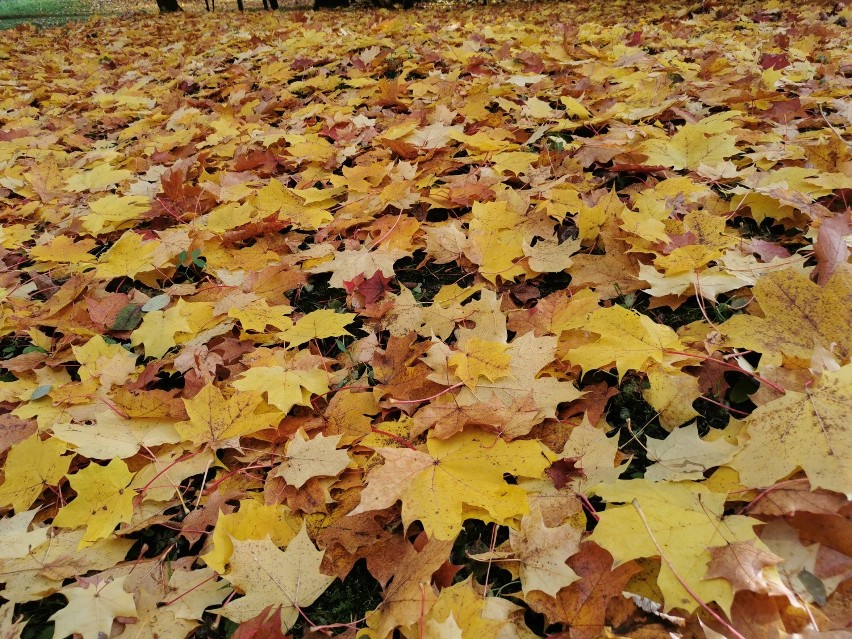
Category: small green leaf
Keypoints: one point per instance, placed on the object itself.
(156, 303)
(814, 586)
(41, 391)
(127, 319)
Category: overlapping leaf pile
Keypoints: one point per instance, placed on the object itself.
(537, 294)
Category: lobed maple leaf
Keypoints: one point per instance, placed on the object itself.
(92, 609)
(215, 420)
(306, 458)
(271, 577)
(627, 339)
(31, 465)
(253, 521)
(284, 388)
(684, 521)
(806, 430)
(462, 474)
(103, 501)
(798, 315)
(582, 605)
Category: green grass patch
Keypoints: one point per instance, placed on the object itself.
(44, 13)
(18, 8)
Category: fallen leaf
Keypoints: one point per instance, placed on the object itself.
(92, 609)
(103, 501)
(316, 457)
(801, 430)
(684, 455)
(30, 466)
(269, 576)
(582, 605)
(215, 420)
(457, 474)
(626, 339)
(686, 521)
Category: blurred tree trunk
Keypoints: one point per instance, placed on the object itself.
(168, 6)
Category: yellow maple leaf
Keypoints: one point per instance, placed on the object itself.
(284, 388)
(596, 454)
(191, 593)
(684, 455)
(686, 259)
(549, 256)
(30, 466)
(540, 552)
(306, 458)
(309, 146)
(591, 219)
(480, 358)
(671, 394)
(112, 435)
(64, 250)
(111, 364)
(494, 241)
(691, 146)
(686, 520)
(517, 162)
(253, 520)
(158, 329)
(12, 236)
(538, 109)
(215, 419)
(573, 108)
(521, 389)
(807, 430)
(257, 315)
(18, 539)
(319, 324)
(113, 212)
(461, 474)
(162, 479)
(347, 265)
(44, 568)
(627, 338)
(461, 609)
(100, 178)
(797, 315)
(642, 224)
(230, 216)
(103, 501)
(269, 577)
(129, 256)
(92, 609)
(275, 198)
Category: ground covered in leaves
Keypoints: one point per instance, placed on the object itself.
(507, 322)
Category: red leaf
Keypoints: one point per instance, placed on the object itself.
(774, 61)
(264, 626)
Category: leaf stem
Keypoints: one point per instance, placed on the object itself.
(680, 579)
(426, 399)
(145, 488)
(396, 438)
(734, 367)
